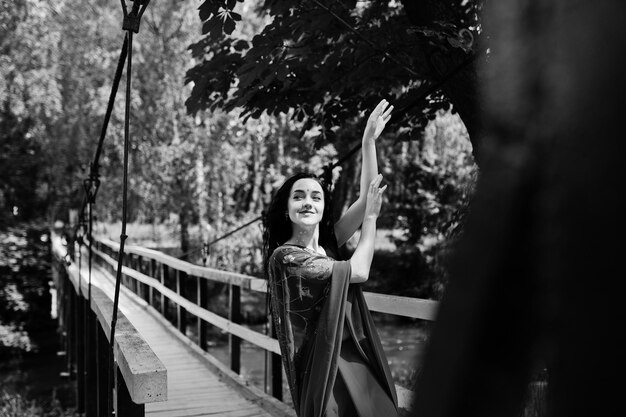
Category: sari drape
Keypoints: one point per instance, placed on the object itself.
(315, 309)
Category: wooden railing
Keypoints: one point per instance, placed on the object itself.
(138, 374)
(164, 283)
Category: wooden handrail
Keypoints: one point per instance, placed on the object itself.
(389, 304)
(383, 303)
(238, 330)
(144, 374)
(241, 280)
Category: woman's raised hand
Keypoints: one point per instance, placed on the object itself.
(374, 197)
(377, 120)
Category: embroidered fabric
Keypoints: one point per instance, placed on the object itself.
(314, 310)
(303, 278)
(300, 284)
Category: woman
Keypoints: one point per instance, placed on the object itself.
(333, 358)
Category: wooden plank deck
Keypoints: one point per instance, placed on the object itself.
(197, 384)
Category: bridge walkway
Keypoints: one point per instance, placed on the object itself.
(194, 388)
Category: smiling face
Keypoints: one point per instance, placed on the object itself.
(306, 203)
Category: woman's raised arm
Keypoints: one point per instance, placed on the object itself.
(353, 217)
(361, 259)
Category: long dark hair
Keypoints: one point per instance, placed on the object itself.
(277, 227)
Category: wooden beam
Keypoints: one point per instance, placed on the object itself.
(144, 374)
(251, 336)
(402, 306)
(383, 303)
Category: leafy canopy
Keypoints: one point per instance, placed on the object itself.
(323, 62)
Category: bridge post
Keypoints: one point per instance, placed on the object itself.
(67, 323)
(145, 288)
(133, 283)
(91, 364)
(181, 313)
(79, 337)
(124, 405)
(141, 287)
(125, 262)
(274, 372)
(102, 373)
(201, 295)
(138, 267)
(153, 274)
(164, 273)
(234, 315)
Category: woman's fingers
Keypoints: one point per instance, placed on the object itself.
(376, 181)
(380, 108)
(387, 113)
(375, 196)
(377, 110)
(375, 184)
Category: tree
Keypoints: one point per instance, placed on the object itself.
(30, 105)
(542, 243)
(332, 61)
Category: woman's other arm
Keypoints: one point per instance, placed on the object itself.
(361, 259)
(354, 216)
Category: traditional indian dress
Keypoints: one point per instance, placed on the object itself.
(333, 358)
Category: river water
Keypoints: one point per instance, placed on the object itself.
(404, 344)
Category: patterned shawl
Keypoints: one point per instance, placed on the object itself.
(310, 296)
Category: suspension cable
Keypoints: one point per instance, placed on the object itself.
(120, 258)
(107, 116)
(131, 25)
(93, 180)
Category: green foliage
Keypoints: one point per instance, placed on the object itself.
(432, 180)
(54, 72)
(324, 63)
(305, 79)
(29, 94)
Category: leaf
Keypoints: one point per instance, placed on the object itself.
(209, 25)
(229, 26)
(208, 8)
(240, 45)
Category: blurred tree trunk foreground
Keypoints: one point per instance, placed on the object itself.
(534, 284)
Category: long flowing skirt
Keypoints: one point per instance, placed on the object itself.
(357, 392)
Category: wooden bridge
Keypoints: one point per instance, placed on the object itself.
(161, 366)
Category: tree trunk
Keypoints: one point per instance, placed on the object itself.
(534, 283)
(184, 231)
(201, 192)
(258, 170)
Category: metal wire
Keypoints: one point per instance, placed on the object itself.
(120, 259)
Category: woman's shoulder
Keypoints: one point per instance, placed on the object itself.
(299, 261)
(294, 254)
(284, 253)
